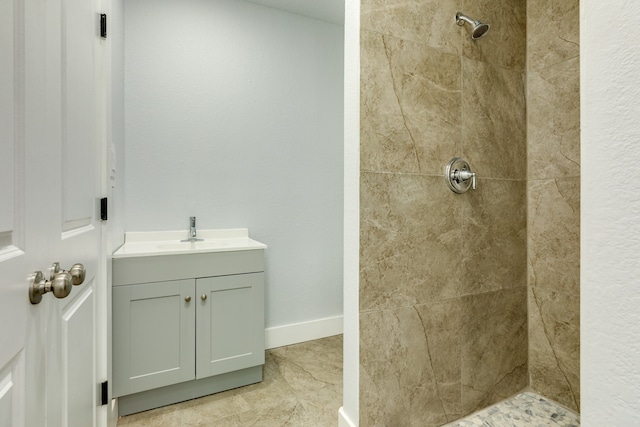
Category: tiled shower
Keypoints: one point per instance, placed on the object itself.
(466, 299)
(553, 156)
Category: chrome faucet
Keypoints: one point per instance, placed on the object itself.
(192, 231)
(192, 227)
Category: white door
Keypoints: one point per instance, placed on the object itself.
(51, 144)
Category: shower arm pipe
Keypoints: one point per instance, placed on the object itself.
(461, 19)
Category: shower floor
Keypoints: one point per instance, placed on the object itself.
(523, 410)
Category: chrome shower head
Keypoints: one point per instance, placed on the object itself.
(478, 29)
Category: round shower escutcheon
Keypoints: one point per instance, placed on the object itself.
(459, 176)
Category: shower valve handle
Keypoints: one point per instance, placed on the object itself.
(465, 175)
(459, 176)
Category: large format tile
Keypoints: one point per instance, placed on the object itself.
(208, 409)
(304, 371)
(553, 32)
(442, 322)
(270, 392)
(494, 347)
(553, 134)
(410, 106)
(494, 251)
(409, 242)
(494, 128)
(554, 235)
(410, 366)
(289, 413)
(505, 43)
(554, 121)
(554, 345)
(431, 22)
(320, 405)
(386, 143)
(311, 400)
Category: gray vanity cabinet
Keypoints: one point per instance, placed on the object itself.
(199, 332)
(154, 334)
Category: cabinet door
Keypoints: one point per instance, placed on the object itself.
(153, 335)
(230, 323)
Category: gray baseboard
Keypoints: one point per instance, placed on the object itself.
(180, 392)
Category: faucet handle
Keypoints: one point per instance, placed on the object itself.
(192, 221)
(465, 175)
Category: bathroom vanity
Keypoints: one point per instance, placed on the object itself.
(188, 317)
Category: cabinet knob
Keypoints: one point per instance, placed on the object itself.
(203, 297)
(188, 299)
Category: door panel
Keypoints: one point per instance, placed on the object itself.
(12, 214)
(78, 127)
(15, 320)
(11, 393)
(7, 121)
(12, 100)
(7, 398)
(78, 360)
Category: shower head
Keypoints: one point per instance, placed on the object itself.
(478, 29)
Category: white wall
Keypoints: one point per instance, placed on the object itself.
(325, 10)
(610, 221)
(234, 114)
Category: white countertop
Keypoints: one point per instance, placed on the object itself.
(153, 243)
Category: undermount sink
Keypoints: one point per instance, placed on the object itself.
(169, 242)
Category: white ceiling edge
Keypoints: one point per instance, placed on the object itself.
(331, 11)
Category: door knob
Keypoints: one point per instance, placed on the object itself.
(78, 273)
(59, 281)
(203, 297)
(60, 285)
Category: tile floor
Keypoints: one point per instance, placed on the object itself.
(302, 387)
(523, 410)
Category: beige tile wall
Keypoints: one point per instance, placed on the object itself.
(443, 295)
(553, 134)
